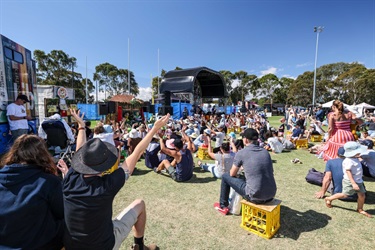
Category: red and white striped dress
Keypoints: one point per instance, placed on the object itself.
(341, 134)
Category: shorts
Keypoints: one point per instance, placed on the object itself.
(122, 225)
(172, 173)
(347, 188)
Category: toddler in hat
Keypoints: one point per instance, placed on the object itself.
(352, 181)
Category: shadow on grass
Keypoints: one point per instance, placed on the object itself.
(195, 179)
(370, 197)
(368, 179)
(354, 209)
(294, 222)
(138, 171)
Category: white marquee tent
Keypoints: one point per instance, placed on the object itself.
(329, 104)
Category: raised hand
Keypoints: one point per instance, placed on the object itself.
(161, 122)
(78, 117)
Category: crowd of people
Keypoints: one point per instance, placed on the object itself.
(67, 210)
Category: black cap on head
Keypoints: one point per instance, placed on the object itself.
(178, 143)
(23, 98)
(250, 134)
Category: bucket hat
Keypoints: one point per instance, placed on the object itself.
(94, 157)
(353, 148)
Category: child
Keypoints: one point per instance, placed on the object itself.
(352, 181)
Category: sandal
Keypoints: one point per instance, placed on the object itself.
(363, 212)
(328, 203)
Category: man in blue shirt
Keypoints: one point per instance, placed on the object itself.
(334, 173)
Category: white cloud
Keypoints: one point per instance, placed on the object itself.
(145, 93)
(303, 64)
(270, 70)
(289, 76)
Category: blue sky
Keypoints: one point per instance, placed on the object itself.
(256, 36)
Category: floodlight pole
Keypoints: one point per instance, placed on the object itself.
(317, 30)
(158, 72)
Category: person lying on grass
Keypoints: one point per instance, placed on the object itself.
(352, 182)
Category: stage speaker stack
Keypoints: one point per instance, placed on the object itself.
(103, 108)
(152, 109)
(111, 107)
(166, 108)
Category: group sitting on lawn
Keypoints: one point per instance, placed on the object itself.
(76, 212)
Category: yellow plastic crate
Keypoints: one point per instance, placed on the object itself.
(302, 143)
(238, 130)
(316, 138)
(203, 154)
(261, 219)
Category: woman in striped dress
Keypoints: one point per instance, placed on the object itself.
(339, 131)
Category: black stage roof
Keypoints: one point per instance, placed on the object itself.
(182, 81)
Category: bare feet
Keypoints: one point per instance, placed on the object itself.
(328, 203)
(363, 212)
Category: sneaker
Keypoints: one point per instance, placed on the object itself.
(149, 247)
(223, 211)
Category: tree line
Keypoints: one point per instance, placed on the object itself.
(348, 82)
(57, 68)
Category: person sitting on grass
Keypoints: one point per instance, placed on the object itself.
(273, 142)
(296, 133)
(31, 207)
(89, 188)
(334, 174)
(352, 182)
(368, 159)
(181, 169)
(224, 159)
(259, 186)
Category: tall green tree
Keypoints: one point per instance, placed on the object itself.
(352, 87)
(268, 84)
(327, 88)
(57, 68)
(280, 95)
(228, 79)
(300, 90)
(114, 81)
(366, 85)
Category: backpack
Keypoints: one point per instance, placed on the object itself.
(314, 177)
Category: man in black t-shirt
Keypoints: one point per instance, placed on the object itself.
(89, 188)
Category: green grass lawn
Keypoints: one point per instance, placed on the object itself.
(181, 215)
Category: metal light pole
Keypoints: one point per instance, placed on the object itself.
(129, 66)
(158, 73)
(317, 30)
